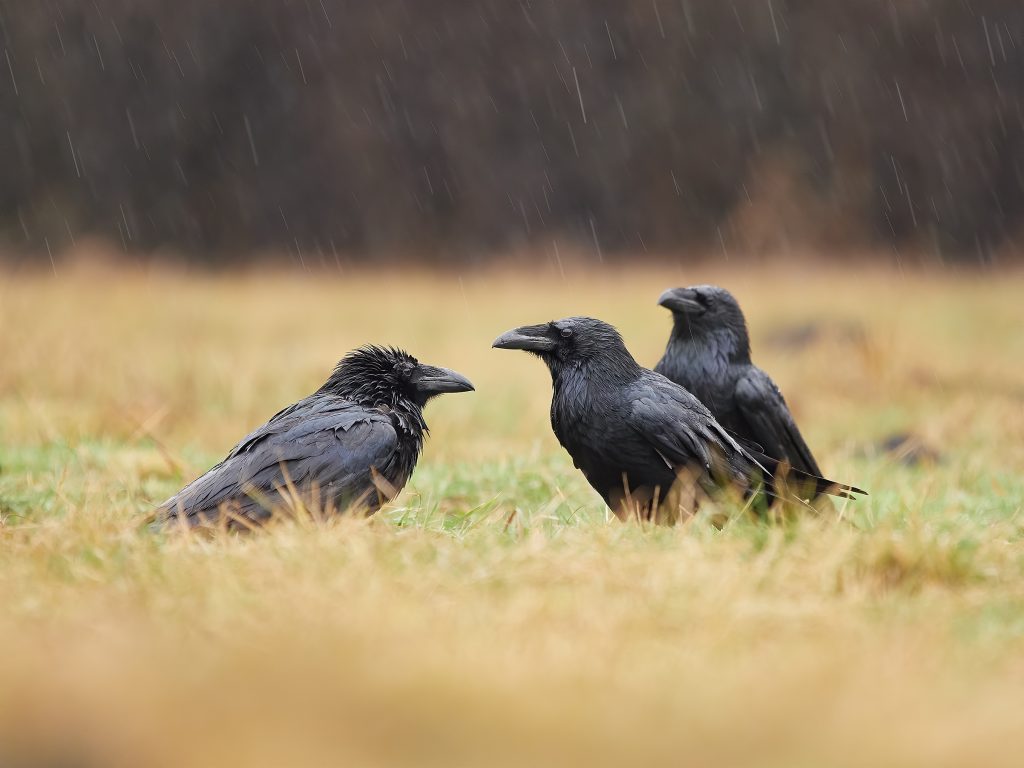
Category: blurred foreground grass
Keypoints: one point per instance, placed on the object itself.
(494, 615)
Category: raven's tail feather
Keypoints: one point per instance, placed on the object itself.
(806, 482)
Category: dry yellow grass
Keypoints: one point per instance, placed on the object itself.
(441, 633)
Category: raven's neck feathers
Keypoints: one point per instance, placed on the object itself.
(613, 365)
(730, 342)
(368, 376)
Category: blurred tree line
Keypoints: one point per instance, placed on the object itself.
(451, 129)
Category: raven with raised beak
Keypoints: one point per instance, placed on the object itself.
(352, 444)
(708, 353)
(632, 432)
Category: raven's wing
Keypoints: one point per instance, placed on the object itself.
(331, 443)
(772, 425)
(681, 429)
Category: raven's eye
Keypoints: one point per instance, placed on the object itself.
(566, 333)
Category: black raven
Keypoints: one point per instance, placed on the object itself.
(708, 353)
(351, 444)
(631, 431)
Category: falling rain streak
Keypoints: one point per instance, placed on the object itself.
(468, 129)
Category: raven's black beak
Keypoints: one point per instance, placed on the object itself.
(431, 380)
(681, 300)
(533, 338)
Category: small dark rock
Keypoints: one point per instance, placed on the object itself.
(803, 335)
(909, 449)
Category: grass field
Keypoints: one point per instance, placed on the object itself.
(494, 614)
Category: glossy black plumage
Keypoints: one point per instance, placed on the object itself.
(631, 431)
(351, 444)
(708, 353)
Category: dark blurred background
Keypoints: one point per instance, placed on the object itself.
(454, 130)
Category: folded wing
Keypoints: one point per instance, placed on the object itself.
(328, 444)
(771, 424)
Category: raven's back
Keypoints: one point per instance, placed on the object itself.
(329, 451)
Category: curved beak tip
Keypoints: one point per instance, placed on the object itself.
(460, 383)
(442, 380)
(507, 340)
(680, 300)
(528, 338)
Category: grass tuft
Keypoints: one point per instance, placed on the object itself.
(496, 613)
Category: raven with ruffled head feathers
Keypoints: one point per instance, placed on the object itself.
(352, 444)
(631, 431)
(708, 353)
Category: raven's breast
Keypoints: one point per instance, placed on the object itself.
(617, 461)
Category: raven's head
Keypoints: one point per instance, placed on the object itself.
(571, 341)
(376, 376)
(703, 309)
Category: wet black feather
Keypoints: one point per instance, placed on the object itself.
(350, 444)
(708, 353)
(630, 430)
